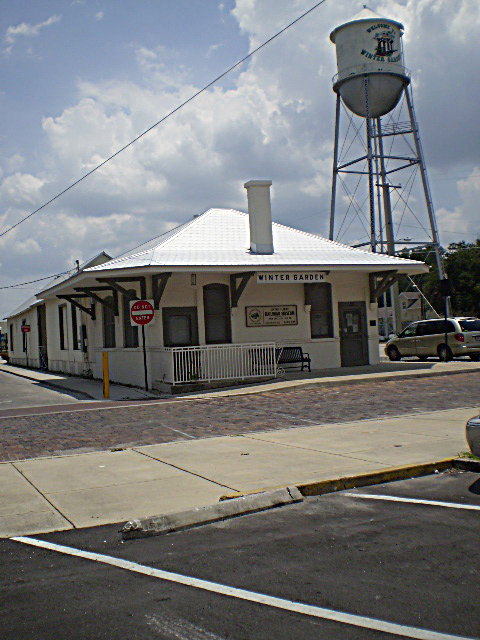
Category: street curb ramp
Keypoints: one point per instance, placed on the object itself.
(239, 506)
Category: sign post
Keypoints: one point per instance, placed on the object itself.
(446, 290)
(142, 312)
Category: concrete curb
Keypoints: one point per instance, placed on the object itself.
(159, 525)
(466, 464)
(331, 381)
(279, 385)
(377, 477)
(238, 504)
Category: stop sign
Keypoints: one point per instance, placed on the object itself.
(141, 312)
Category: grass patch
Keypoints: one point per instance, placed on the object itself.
(469, 455)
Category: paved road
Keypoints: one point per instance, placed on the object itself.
(16, 392)
(413, 565)
(117, 425)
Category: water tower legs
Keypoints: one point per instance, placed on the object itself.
(377, 161)
(371, 194)
(335, 168)
(425, 184)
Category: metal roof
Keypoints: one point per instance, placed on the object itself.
(365, 15)
(221, 238)
(30, 303)
(57, 280)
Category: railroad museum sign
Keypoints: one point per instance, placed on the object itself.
(289, 277)
(271, 316)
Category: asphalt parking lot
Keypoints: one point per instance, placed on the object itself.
(368, 567)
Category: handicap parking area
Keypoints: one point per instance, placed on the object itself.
(386, 561)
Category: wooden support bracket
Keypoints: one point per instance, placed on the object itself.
(91, 291)
(159, 282)
(119, 289)
(116, 280)
(380, 282)
(237, 288)
(73, 299)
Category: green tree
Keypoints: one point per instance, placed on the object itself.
(462, 264)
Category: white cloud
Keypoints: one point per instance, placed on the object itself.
(26, 247)
(26, 30)
(214, 47)
(99, 15)
(14, 162)
(274, 119)
(463, 221)
(21, 189)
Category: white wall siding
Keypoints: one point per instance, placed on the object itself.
(126, 365)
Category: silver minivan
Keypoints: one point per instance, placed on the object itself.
(427, 338)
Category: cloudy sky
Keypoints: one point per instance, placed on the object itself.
(82, 78)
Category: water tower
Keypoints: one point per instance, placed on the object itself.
(370, 82)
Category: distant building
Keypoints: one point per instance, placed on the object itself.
(412, 308)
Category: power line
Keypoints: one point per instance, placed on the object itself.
(20, 284)
(171, 113)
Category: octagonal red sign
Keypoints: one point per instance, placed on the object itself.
(142, 312)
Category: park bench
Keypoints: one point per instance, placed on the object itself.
(292, 356)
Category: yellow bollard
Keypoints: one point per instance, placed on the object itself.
(106, 381)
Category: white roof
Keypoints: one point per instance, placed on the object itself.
(30, 303)
(57, 280)
(221, 238)
(366, 14)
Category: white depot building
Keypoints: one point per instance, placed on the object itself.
(230, 291)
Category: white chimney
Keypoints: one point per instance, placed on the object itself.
(260, 216)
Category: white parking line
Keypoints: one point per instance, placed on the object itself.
(430, 503)
(250, 596)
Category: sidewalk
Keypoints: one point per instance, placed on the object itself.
(85, 387)
(58, 493)
(93, 389)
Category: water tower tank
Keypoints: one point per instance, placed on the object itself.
(369, 45)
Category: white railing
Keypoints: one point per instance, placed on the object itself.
(218, 362)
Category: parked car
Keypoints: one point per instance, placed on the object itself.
(427, 338)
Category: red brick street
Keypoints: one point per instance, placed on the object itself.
(78, 428)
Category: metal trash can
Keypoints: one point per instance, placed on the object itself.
(473, 435)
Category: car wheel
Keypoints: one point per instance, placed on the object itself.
(393, 354)
(475, 357)
(444, 353)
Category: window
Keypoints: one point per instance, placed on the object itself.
(435, 327)
(11, 337)
(180, 328)
(130, 334)
(74, 328)
(319, 296)
(471, 324)
(410, 331)
(62, 325)
(108, 324)
(217, 314)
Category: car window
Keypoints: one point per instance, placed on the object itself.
(438, 326)
(410, 331)
(472, 324)
(423, 329)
